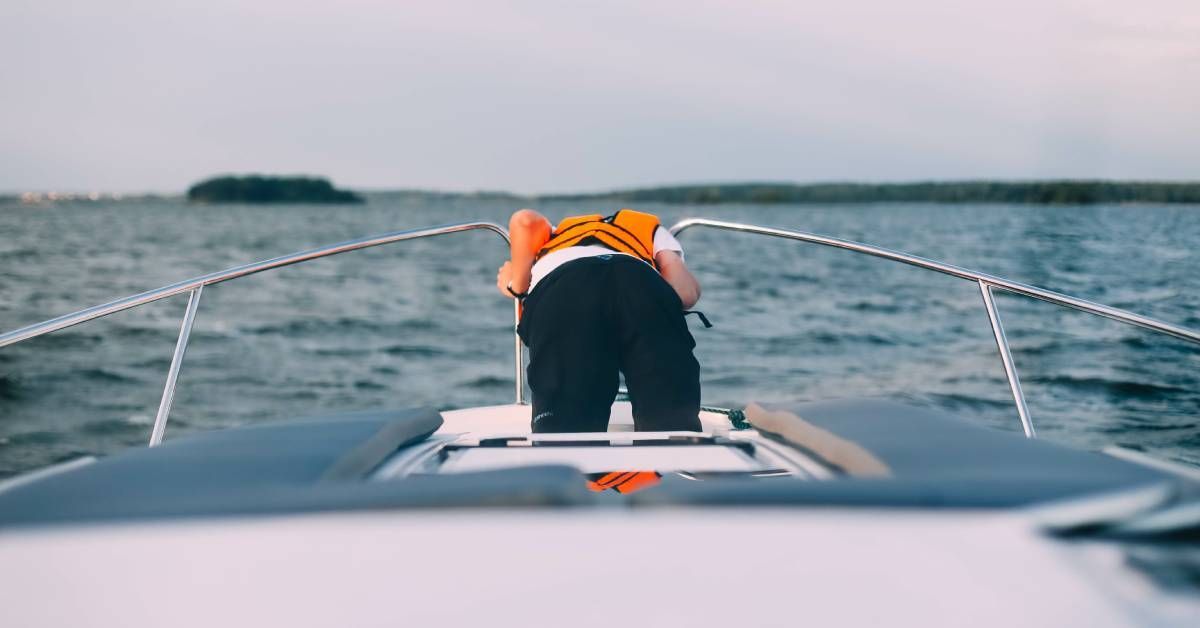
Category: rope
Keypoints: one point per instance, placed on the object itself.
(737, 418)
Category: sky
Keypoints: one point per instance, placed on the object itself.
(558, 96)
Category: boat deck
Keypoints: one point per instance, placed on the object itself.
(848, 453)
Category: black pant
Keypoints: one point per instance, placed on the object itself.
(595, 316)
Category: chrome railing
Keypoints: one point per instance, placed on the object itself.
(195, 286)
(986, 284)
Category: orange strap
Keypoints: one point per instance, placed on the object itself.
(625, 482)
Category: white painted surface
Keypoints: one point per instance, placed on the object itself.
(601, 459)
(515, 419)
(560, 568)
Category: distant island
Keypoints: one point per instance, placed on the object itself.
(1066, 192)
(269, 189)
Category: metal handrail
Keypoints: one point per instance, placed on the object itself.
(187, 285)
(986, 283)
(195, 286)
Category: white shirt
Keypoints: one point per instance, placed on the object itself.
(663, 241)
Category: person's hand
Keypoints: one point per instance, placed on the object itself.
(503, 276)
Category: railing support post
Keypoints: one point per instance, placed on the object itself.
(1010, 369)
(185, 332)
(518, 353)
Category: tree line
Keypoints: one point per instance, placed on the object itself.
(1035, 192)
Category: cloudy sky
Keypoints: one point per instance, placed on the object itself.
(540, 96)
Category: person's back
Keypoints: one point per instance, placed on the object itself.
(603, 295)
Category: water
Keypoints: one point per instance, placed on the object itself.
(420, 323)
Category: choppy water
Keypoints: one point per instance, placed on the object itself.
(420, 323)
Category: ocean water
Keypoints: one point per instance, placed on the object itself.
(420, 323)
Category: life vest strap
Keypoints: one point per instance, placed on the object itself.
(700, 315)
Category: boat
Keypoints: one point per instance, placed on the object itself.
(846, 512)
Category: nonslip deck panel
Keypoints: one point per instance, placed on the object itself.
(392, 435)
(217, 465)
(921, 493)
(932, 457)
(542, 486)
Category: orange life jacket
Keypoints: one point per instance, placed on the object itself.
(623, 482)
(626, 231)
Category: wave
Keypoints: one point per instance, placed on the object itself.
(10, 389)
(1049, 347)
(799, 278)
(413, 350)
(1152, 344)
(871, 307)
(110, 427)
(727, 380)
(14, 387)
(338, 352)
(65, 340)
(489, 381)
(107, 376)
(146, 333)
(957, 401)
(818, 340)
(1128, 427)
(1115, 388)
(306, 327)
(39, 437)
(154, 364)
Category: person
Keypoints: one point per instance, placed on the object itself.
(602, 295)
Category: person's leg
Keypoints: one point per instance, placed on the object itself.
(572, 358)
(661, 372)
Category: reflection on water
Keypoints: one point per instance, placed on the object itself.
(419, 323)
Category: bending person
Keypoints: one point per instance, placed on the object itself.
(604, 295)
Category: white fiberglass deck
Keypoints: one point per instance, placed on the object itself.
(856, 567)
(515, 419)
(593, 459)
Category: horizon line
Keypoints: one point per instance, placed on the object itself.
(94, 194)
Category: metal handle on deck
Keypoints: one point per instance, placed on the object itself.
(168, 397)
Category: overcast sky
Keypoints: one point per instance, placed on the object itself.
(152, 95)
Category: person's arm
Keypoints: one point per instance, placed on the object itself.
(671, 266)
(528, 232)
